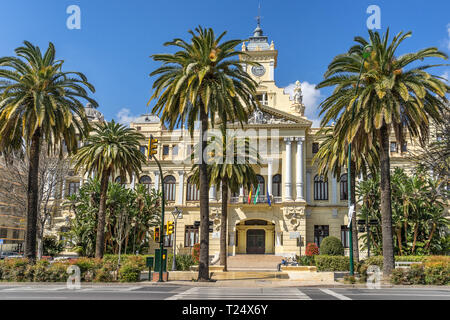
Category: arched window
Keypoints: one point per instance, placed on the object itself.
(192, 192)
(146, 181)
(320, 188)
(169, 188)
(344, 187)
(119, 180)
(261, 185)
(276, 185)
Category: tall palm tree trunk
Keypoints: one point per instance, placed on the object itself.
(386, 208)
(223, 225)
(203, 266)
(100, 242)
(32, 197)
(354, 224)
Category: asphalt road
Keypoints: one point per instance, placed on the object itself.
(172, 292)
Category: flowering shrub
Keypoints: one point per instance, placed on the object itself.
(196, 252)
(311, 249)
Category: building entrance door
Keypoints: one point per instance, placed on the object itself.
(256, 241)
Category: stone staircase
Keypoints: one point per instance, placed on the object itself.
(253, 262)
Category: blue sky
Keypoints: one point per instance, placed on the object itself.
(117, 37)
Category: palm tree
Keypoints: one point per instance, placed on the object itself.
(197, 83)
(229, 174)
(40, 103)
(332, 156)
(390, 98)
(109, 149)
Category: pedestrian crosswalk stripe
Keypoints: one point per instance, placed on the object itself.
(203, 293)
(335, 294)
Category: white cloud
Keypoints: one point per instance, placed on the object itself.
(311, 100)
(445, 75)
(448, 36)
(124, 116)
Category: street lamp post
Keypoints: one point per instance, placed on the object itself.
(177, 214)
(366, 52)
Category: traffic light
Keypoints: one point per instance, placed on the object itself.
(156, 234)
(152, 146)
(169, 227)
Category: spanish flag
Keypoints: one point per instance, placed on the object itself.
(249, 200)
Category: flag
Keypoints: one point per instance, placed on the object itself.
(250, 196)
(256, 195)
(268, 197)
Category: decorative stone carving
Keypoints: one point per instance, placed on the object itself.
(214, 215)
(294, 215)
(260, 117)
(297, 103)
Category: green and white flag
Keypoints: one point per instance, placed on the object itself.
(256, 195)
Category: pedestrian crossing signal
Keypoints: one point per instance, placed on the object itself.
(169, 227)
(156, 234)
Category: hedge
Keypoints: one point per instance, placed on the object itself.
(332, 263)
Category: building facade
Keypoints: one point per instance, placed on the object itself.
(304, 207)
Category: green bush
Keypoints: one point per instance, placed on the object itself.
(139, 259)
(331, 246)
(183, 262)
(437, 274)
(129, 273)
(332, 263)
(305, 260)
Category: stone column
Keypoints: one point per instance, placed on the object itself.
(334, 190)
(288, 170)
(156, 185)
(299, 169)
(63, 193)
(133, 181)
(212, 193)
(269, 176)
(309, 183)
(180, 188)
(241, 194)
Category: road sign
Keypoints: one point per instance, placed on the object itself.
(1, 241)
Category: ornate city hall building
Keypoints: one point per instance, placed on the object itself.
(294, 205)
(291, 206)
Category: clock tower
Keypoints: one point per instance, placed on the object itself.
(258, 49)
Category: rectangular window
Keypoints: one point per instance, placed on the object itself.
(15, 234)
(404, 147)
(393, 146)
(190, 236)
(3, 233)
(345, 236)
(143, 150)
(73, 188)
(168, 239)
(320, 232)
(165, 150)
(315, 147)
(175, 150)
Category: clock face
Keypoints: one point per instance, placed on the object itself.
(258, 70)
